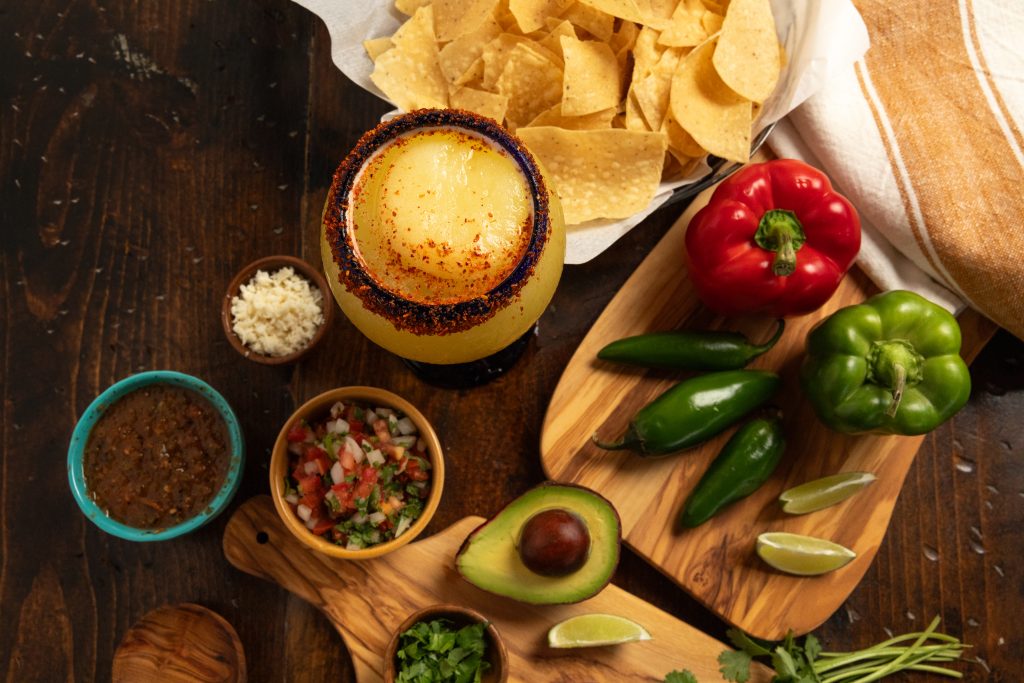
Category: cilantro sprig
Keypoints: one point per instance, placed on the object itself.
(435, 652)
(794, 662)
(807, 663)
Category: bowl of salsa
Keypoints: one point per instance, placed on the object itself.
(356, 472)
(155, 456)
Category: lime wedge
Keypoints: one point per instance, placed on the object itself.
(801, 555)
(591, 630)
(821, 493)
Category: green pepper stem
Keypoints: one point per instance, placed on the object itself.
(897, 391)
(780, 231)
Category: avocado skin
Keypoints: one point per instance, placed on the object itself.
(489, 558)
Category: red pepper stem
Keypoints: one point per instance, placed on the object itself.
(780, 231)
(897, 391)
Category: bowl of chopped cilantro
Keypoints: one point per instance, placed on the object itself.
(356, 472)
(446, 644)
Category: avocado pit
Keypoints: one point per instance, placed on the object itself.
(554, 543)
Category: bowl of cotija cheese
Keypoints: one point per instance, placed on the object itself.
(276, 310)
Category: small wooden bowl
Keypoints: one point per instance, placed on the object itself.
(495, 654)
(273, 264)
(317, 407)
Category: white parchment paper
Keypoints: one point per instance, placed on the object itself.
(819, 36)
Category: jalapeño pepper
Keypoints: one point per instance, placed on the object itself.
(744, 464)
(694, 410)
(684, 350)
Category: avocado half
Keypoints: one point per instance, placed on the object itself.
(489, 557)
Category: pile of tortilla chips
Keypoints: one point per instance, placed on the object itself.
(610, 95)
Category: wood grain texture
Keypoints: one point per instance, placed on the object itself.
(366, 601)
(715, 562)
(180, 644)
(129, 196)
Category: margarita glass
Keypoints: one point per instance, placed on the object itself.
(441, 241)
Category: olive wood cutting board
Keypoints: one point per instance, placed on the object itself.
(366, 600)
(716, 562)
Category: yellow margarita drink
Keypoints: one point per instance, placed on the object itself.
(441, 241)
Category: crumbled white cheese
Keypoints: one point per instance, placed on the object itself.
(276, 314)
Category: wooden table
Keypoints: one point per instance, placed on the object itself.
(147, 151)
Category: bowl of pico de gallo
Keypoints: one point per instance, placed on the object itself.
(356, 472)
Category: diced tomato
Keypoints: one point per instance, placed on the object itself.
(323, 525)
(311, 484)
(348, 463)
(356, 426)
(312, 500)
(369, 474)
(299, 473)
(380, 428)
(314, 452)
(297, 434)
(414, 471)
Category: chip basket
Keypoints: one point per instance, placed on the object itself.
(719, 171)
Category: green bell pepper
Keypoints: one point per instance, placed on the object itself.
(890, 365)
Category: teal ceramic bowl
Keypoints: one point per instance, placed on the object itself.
(79, 438)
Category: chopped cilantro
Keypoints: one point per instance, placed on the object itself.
(434, 652)
(684, 676)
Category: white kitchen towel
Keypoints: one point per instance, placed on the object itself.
(924, 136)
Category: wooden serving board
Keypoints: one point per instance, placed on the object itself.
(367, 600)
(716, 562)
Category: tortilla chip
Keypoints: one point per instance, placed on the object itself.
(409, 7)
(646, 52)
(717, 118)
(591, 82)
(687, 29)
(633, 118)
(458, 56)
(376, 46)
(554, 117)
(679, 141)
(409, 73)
(623, 9)
(454, 18)
(473, 76)
(599, 173)
(624, 38)
(530, 14)
(595, 22)
(495, 54)
(652, 91)
(553, 41)
(711, 22)
(482, 102)
(748, 57)
(531, 82)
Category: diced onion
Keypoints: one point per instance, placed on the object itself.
(304, 512)
(296, 448)
(377, 517)
(375, 457)
(312, 522)
(337, 473)
(337, 409)
(292, 498)
(420, 485)
(338, 426)
(359, 518)
(370, 417)
(406, 428)
(311, 467)
(407, 441)
(392, 425)
(354, 450)
(353, 545)
(374, 536)
(403, 526)
(421, 445)
(384, 412)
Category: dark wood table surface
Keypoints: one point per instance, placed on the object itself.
(150, 149)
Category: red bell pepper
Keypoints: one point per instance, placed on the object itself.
(774, 239)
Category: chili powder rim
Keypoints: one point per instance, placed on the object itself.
(413, 316)
(83, 429)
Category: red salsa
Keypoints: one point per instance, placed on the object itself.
(157, 457)
(358, 477)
